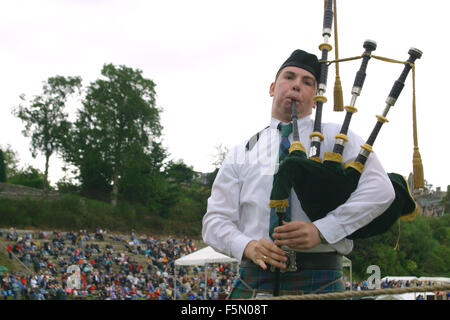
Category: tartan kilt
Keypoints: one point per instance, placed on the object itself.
(291, 283)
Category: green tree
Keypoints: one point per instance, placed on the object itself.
(118, 120)
(2, 167)
(142, 179)
(179, 172)
(423, 249)
(417, 241)
(44, 117)
(441, 229)
(29, 176)
(11, 161)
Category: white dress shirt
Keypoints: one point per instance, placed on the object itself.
(238, 208)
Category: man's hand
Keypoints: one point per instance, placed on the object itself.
(263, 252)
(297, 235)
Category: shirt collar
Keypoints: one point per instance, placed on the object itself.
(301, 122)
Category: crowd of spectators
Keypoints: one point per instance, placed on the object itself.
(386, 284)
(80, 265)
(394, 284)
(118, 267)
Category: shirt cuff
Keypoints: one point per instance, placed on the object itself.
(330, 229)
(333, 231)
(238, 245)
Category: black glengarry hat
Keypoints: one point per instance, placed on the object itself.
(304, 60)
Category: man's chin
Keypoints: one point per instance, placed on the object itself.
(287, 113)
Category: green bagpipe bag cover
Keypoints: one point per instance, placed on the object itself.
(403, 207)
(322, 187)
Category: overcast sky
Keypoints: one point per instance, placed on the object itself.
(213, 61)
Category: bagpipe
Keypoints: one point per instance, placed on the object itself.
(312, 179)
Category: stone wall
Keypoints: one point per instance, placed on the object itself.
(17, 191)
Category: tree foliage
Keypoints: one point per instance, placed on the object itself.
(423, 249)
(179, 172)
(44, 117)
(115, 127)
(446, 200)
(143, 180)
(11, 161)
(28, 176)
(2, 167)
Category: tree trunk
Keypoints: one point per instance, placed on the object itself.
(47, 159)
(115, 189)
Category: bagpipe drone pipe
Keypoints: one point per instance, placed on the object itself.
(322, 187)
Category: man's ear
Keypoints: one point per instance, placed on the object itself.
(272, 87)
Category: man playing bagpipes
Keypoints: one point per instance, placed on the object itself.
(289, 216)
(237, 221)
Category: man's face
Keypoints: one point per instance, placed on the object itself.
(292, 83)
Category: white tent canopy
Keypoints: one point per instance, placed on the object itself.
(412, 278)
(201, 257)
(204, 256)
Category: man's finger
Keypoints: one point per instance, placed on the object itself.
(275, 263)
(260, 262)
(269, 247)
(289, 227)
